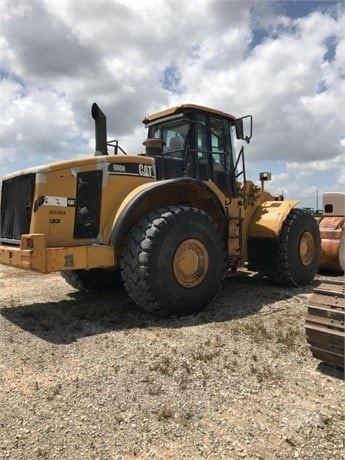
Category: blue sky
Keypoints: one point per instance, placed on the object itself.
(300, 8)
(281, 61)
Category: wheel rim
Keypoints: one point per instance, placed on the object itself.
(306, 248)
(190, 263)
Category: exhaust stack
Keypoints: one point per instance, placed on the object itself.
(100, 130)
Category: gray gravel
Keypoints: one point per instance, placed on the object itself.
(86, 376)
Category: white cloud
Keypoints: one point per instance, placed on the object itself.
(239, 56)
(331, 167)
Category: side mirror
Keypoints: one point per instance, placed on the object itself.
(244, 128)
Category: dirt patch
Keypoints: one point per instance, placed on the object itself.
(87, 375)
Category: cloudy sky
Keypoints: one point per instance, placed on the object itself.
(281, 61)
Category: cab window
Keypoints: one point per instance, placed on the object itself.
(173, 137)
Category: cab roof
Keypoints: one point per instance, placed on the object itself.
(184, 107)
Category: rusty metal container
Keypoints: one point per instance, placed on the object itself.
(332, 231)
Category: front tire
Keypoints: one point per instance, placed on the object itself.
(174, 261)
(299, 249)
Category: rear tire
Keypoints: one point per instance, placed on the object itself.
(299, 249)
(174, 261)
(96, 279)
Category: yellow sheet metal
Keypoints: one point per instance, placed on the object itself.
(268, 219)
(46, 260)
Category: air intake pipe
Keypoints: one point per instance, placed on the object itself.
(100, 130)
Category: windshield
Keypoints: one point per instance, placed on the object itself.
(173, 136)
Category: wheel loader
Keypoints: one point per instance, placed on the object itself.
(167, 224)
(325, 319)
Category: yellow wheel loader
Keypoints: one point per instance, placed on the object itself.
(167, 224)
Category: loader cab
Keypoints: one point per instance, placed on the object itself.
(194, 141)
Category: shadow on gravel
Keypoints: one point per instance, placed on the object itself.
(331, 371)
(80, 314)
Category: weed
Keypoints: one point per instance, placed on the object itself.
(119, 418)
(231, 364)
(42, 453)
(288, 337)
(185, 418)
(291, 442)
(183, 381)
(165, 413)
(54, 391)
(165, 366)
(263, 372)
(256, 330)
(201, 354)
(155, 390)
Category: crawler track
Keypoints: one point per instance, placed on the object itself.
(325, 322)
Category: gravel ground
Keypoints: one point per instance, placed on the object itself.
(86, 376)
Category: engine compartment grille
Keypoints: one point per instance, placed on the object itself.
(16, 206)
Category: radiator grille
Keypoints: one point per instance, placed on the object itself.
(16, 206)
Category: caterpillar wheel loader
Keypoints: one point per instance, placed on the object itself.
(325, 319)
(167, 224)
